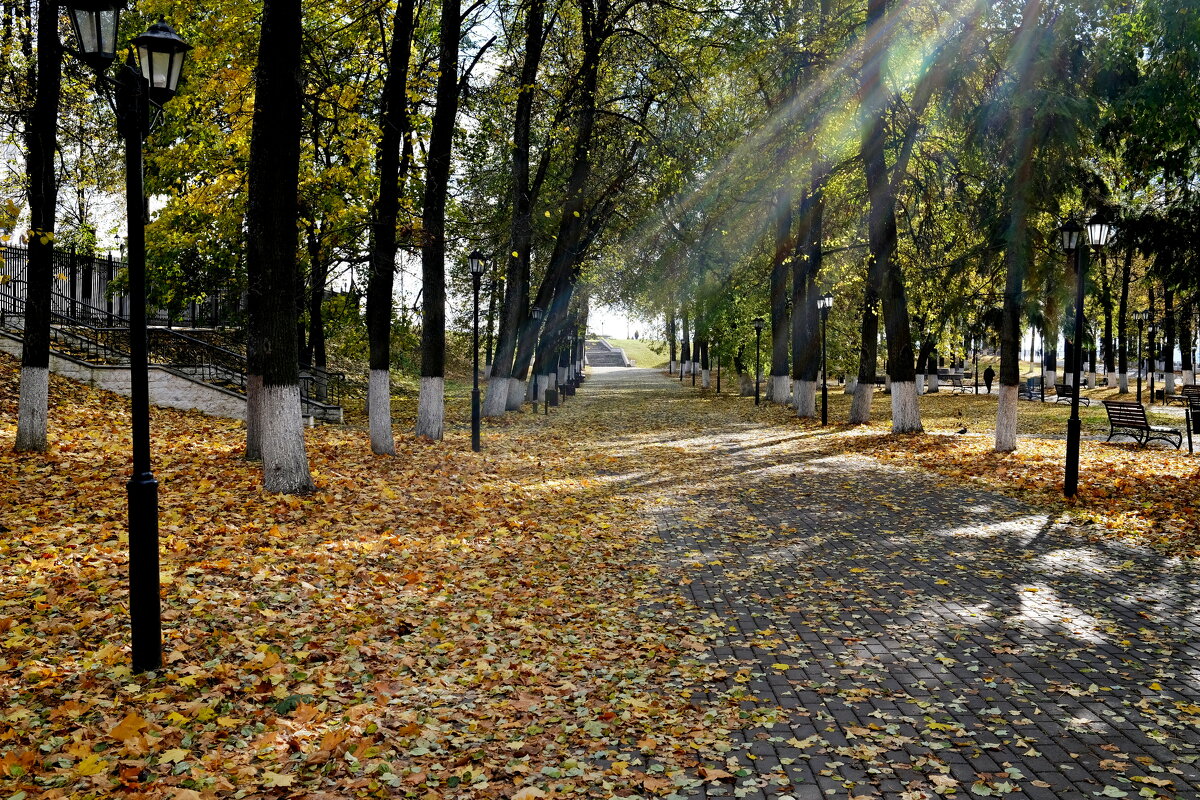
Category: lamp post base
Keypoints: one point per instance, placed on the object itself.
(1071, 477)
(144, 604)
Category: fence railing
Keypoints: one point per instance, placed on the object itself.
(166, 347)
(85, 288)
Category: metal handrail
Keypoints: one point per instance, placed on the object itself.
(172, 349)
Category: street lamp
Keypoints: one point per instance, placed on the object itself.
(477, 264)
(134, 93)
(1099, 231)
(1141, 317)
(758, 326)
(716, 349)
(824, 303)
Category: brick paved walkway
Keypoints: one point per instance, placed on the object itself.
(923, 639)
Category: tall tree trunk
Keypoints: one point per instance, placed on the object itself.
(685, 355)
(1169, 344)
(393, 169)
(671, 340)
(806, 345)
(430, 405)
(1123, 322)
(1185, 341)
(41, 141)
(1106, 300)
(777, 386)
(505, 390)
(572, 225)
(271, 216)
(1017, 245)
(881, 233)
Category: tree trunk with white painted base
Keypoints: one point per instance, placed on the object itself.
(1006, 420)
(860, 404)
(285, 462)
(920, 383)
(906, 411)
(851, 385)
(430, 404)
(271, 218)
(41, 140)
(805, 394)
(495, 401)
(393, 171)
(379, 412)
(1123, 382)
(517, 392)
(31, 410)
(431, 408)
(781, 389)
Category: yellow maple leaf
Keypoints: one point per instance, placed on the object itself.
(174, 756)
(128, 728)
(276, 779)
(92, 765)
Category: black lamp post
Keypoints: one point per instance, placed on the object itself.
(1141, 317)
(476, 263)
(758, 326)
(1099, 231)
(824, 303)
(140, 87)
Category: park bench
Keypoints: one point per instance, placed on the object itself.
(1129, 419)
(1185, 392)
(1065, 392)
(1032, 390)
(957, 384)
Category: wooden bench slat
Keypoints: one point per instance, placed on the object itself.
(1129, 419)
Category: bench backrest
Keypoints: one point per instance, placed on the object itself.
(1123, 414)
(1065, 389)
(1194, 403)
(1190, 390)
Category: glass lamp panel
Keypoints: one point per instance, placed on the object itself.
(106, 31)
(84, 22)
(1099, 232)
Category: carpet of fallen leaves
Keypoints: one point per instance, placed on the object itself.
(438, 624)
(1145, 495)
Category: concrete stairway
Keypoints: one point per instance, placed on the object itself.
(601, 354)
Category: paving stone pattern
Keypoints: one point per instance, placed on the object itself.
(917, 638)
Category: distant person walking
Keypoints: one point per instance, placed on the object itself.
(988, 375)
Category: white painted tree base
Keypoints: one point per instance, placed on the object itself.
(932, 381)
(906, 411)
(562, 376)
(284, 460)
(851, 385)
(495, 401)
(431, 408)
(31, 410)
(670, 367)
(920, 384)
(781, 389)
(705, 376)
(1189, 377)
(804, 395)
(1006, 420)
(1169, 383)
(745, 385)
(517, 392)
(379, 412)
(860, 405)
(1049, 377)
(551, 381)
(1123, 382)
(1091, 380)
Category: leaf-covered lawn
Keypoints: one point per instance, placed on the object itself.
(441, 623)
